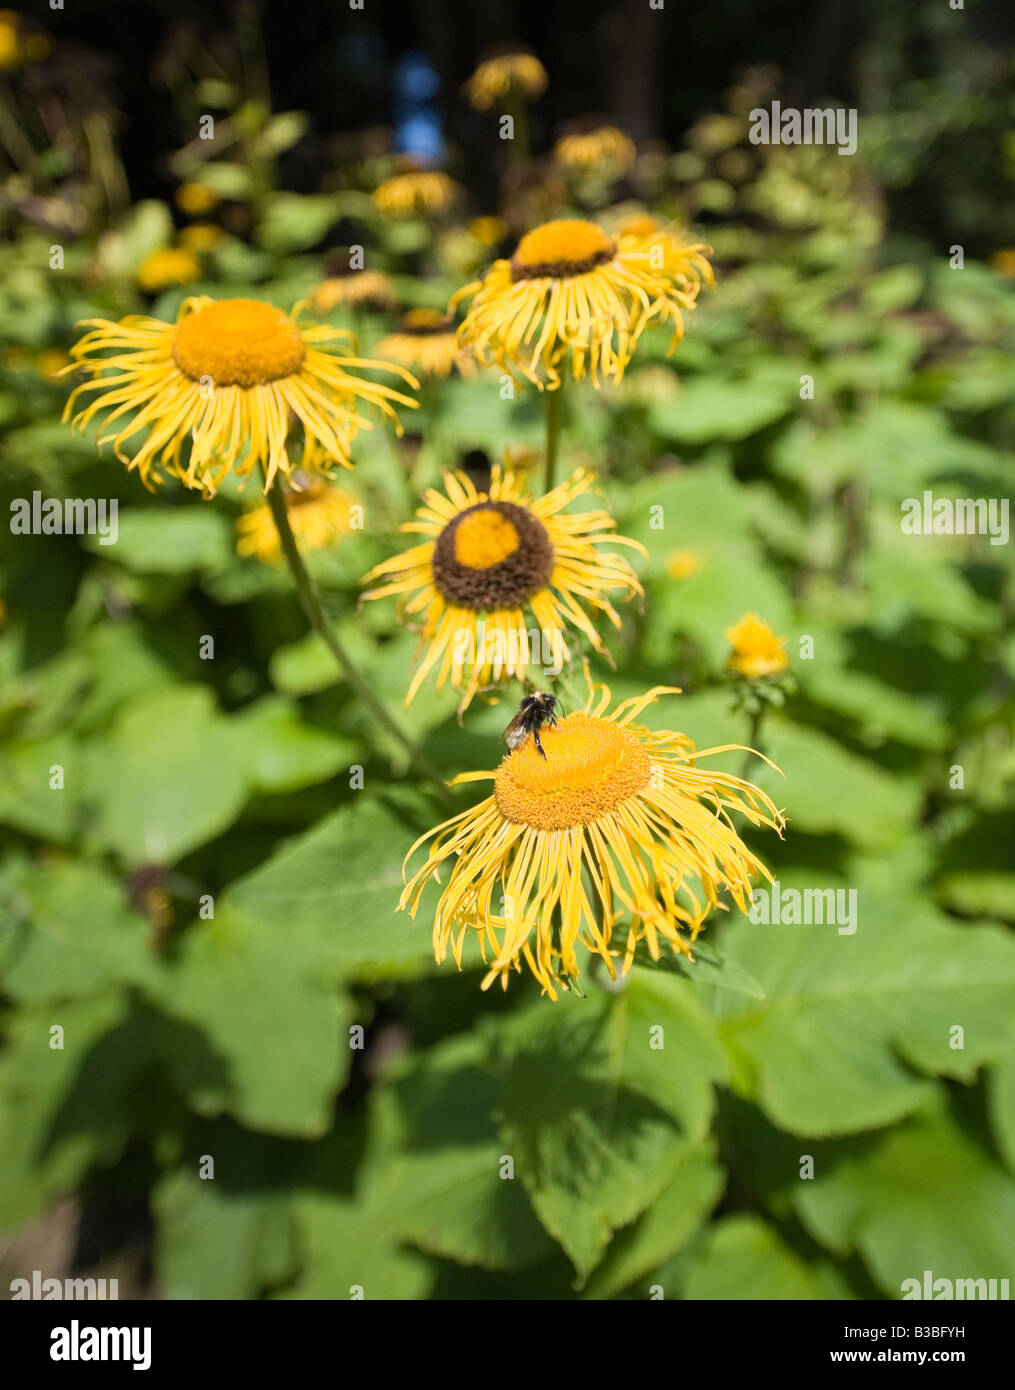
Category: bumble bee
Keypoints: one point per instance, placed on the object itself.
(535, 710)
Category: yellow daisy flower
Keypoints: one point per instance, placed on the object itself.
(498, 76)
(425, 342)
(493, 563)
(170, 265)
(572, 292)
(756, 649)
(201, 236)
(603, 150)
(683, 564)
(417, 191)
(10, 44)
(356, 288)
(319, 513)
(615, 824)
(195, 199)
(229, 377)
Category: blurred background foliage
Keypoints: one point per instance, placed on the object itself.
(186, 777)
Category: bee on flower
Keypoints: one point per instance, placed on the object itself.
(612, 836)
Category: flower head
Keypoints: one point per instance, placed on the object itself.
(195, 199)
(319, 513)
(492, 559)
(356, 288)
(616, 826)
(756, 649)
(170, 265)
(201, 236)
(425, 342)
(513, 69)
(570, 291)
(602, 150)
(229, 378)
(416, 191)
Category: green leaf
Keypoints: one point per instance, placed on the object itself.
(71, 933)
(1002, 1104)
(659, 1233)
(351, 1255)
(169, 540)
(926, 1196)
(169, 777)
(744, 1259)
(281, 1070)
(333, 894)
(823, 1052)
(212, 1242)
(593, 1150)
(284, 752)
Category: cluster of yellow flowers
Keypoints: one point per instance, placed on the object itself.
(604, 822)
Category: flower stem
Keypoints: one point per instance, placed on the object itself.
(312, 607)
(552, 433)
(754, 737)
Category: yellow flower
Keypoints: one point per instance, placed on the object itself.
(201, 236)
(195, 199)
(492, 559)
(416, 191)
(615, 825)
(604, 150)
(425, 342)
(356, 288)
(51, 362)
(319, 513)
(168, 266)
(1003, 261)
(571, 291)
(229, 378)
(682, 564)
(756, 649)
(488, 231)
(496, 77)
(10, 45)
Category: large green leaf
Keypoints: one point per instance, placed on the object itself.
(279, 1032)
(823, 1052)
(926, 1196)
(169, 778)
(333, 893)
(596, 1119)
(744, 1258)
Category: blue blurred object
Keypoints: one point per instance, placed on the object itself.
(419, 128)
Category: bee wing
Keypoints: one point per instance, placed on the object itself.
(513, 728)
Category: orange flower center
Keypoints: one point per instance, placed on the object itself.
(591, 766)
(485, 537)
(238, 342)
(561, 249)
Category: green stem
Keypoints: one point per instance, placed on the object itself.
(518, 112)
(552, 433)
(753, 738)
(312, 607)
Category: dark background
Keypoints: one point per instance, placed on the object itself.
(651, 72)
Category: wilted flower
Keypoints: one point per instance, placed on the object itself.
(617, 824)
